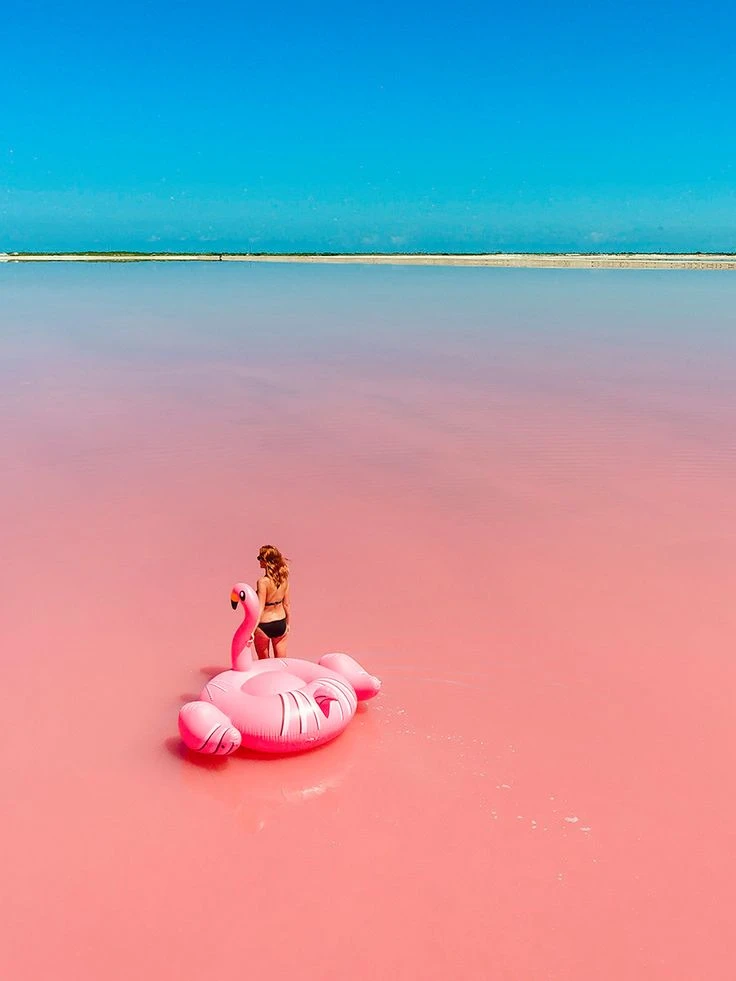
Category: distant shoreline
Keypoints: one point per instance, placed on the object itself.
(561, 260)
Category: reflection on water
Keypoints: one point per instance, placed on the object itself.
(260, 787)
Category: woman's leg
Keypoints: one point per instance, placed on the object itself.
(280, 644)
(261, 641)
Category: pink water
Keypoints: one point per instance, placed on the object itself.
(509, 493)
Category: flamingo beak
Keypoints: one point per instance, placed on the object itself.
(234, 600)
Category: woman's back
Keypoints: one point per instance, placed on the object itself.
(275, 596)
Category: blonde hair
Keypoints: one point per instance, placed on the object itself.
(275, 563)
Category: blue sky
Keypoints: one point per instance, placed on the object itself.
(386, 126)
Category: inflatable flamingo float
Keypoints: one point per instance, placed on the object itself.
(277, 705)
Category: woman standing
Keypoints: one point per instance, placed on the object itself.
(273, 593)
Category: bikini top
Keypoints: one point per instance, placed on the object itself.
(276, 602)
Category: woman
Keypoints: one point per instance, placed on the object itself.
(273, 593)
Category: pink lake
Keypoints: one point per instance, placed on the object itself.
(509, 493)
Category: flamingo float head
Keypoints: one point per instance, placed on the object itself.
(245, 594)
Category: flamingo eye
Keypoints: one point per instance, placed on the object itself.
(242, 594)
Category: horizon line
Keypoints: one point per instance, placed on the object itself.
(399, 254)
(701, 261)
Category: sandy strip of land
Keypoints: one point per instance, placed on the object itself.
(520, 259)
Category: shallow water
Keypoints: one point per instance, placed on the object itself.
(507, 492)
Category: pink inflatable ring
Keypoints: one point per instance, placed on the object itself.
(278, 705)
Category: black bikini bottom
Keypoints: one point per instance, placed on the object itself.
(273, 628)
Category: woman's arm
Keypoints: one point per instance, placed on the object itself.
(261, 591)
(287, 608)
